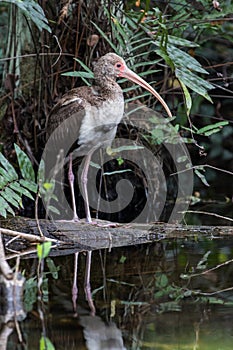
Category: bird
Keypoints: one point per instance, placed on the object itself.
(91, 115)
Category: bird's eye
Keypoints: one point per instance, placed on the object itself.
(118, 65)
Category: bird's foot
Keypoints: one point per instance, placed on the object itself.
(76, 219)
(102, 223)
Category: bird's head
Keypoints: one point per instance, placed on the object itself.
(111, 66)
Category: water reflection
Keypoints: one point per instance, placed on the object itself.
(137, 301)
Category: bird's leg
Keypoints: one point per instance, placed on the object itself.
(75, 286)
(84, 184)
(85, 193)
(71, 182)
(87, 284)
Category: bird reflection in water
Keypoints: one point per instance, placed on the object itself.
(98, 334)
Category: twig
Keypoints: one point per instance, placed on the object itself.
(207, 213)
(203, 166)
(35, 55)
(27, 236)
(198, 274)
(60, 50)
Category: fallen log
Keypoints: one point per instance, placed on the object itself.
(82, 236)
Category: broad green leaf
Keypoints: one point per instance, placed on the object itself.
(188, 99)
(12, 197)
(53, 269)
(3, 211)
(5, 207)
(7, 176)
(46, 344)
(212, 127)
(8, 199)
(3, 180)
(31, 186)
(181, 59)
(53, 209)
(180, 41)
(10, 171)
(162, 53)
(211, 132)
(194, 82)
(161, 281)
(43, 249)
(23, 191)
(25, 164)
(79, 74)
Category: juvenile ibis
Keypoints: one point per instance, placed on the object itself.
(103, 106)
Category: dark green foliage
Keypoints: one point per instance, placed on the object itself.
(33, 11)
(13, 186)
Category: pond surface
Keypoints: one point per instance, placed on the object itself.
(151, 296)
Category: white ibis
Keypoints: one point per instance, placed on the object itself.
(103, 106)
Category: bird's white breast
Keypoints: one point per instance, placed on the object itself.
(99, 124)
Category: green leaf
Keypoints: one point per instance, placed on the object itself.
(181, 59)
(162, 53)
(53, 209)
(79, 74)
(194, 82)
(84, 66)
(11, 188)
(48, 186)
(109, 41)
(5, 207)
(180, 41)
(23, 191)
(53, 269)
(122, 259)
(202, 264)
(25, 164)
(12, 197)
(33, 11)
(212, 128)
(43, 249)
(7, 171)
(31, 186)
(188, 99)
(46, 344)
(201, 177)
(161, 281)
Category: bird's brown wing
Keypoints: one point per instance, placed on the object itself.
(72, 103)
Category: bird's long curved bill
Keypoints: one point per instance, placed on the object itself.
(129, 74)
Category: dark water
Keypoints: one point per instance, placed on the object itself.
(140, 300)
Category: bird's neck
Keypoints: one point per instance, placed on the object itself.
(108, 85)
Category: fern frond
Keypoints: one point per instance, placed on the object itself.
(12, 187)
